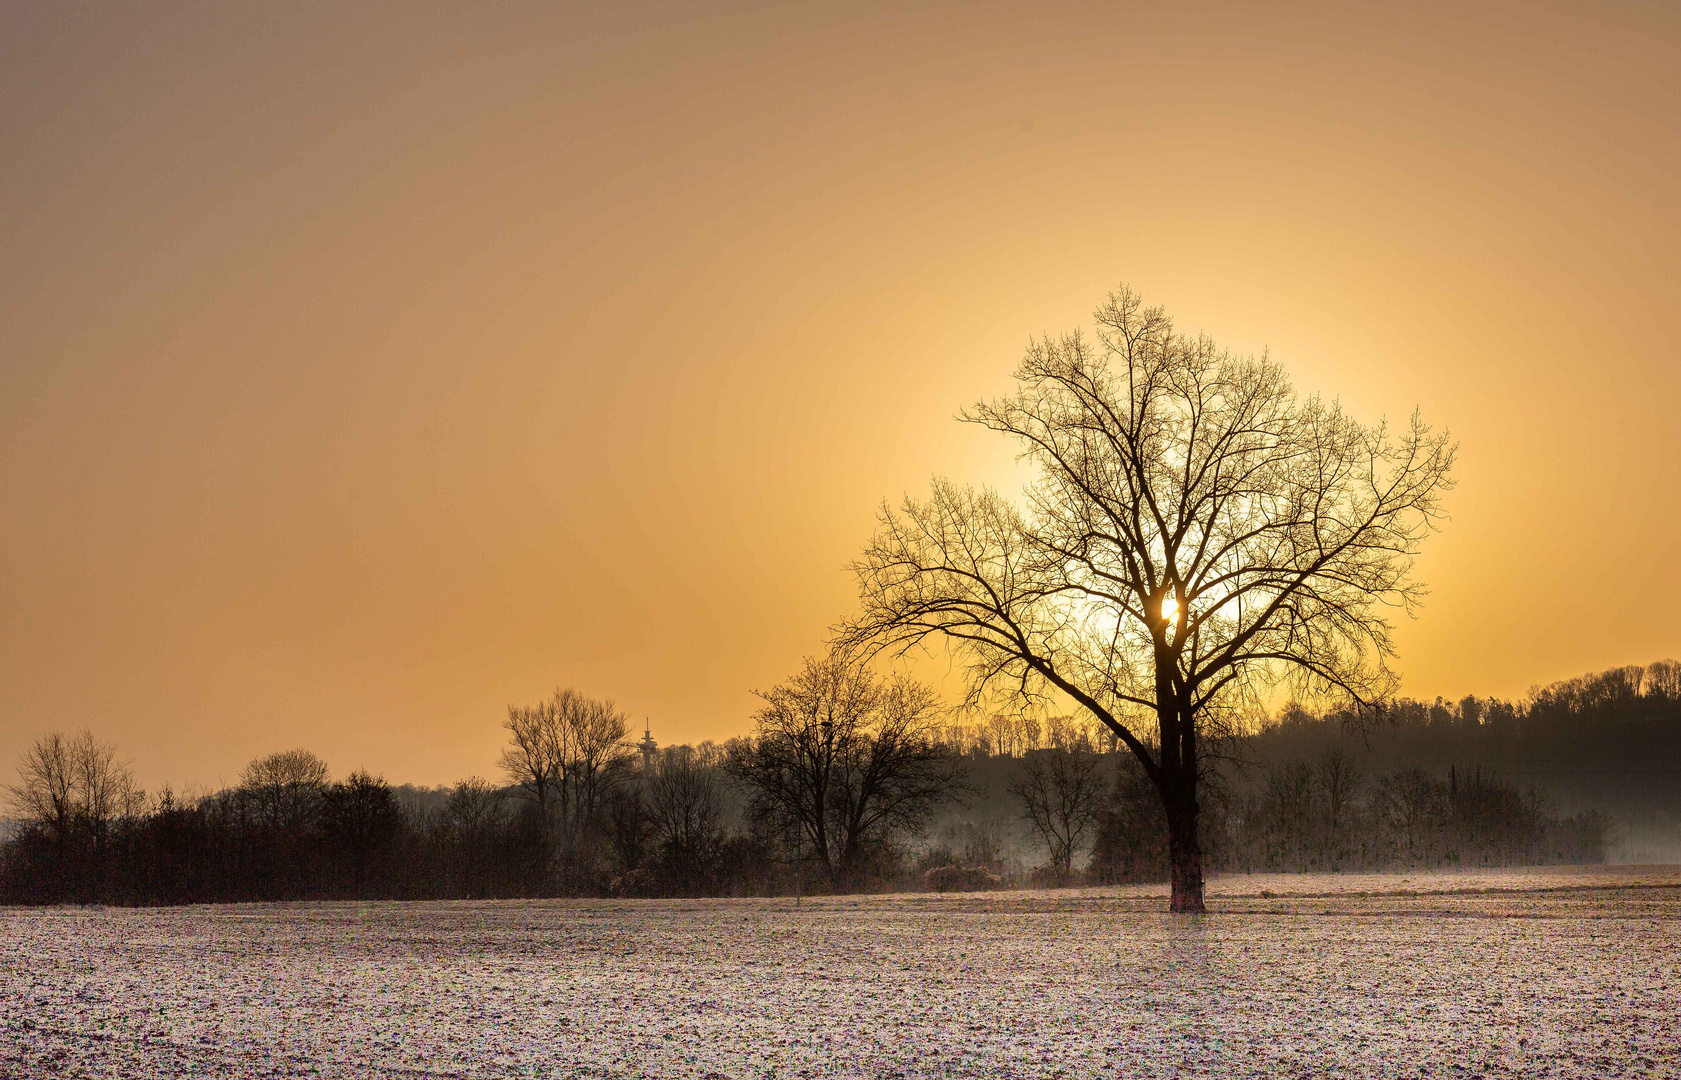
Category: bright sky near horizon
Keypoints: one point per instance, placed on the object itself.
(365, 369)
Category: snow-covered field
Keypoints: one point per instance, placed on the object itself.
(1534, 973)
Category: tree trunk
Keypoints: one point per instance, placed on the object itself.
(1184, 855)
(1178, 787)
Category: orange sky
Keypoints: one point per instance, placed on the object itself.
(362, 373)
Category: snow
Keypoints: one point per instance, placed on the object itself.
(1565, 973)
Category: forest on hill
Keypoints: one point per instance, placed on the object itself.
(1579, 771)
(1608, 742)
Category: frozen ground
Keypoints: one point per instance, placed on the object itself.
(1537, 973)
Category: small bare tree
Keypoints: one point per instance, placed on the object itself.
(686, 805)
(1339, 785)
(568, 754)
(846, 761)
(45, 793)
(74, 782)
(284, 789)
(473, 806)
(1196, 535)
(1062, 793)
(1289, 807)
(1413, 805)
(472, 815)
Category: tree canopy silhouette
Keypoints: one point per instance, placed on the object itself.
(1196, 533)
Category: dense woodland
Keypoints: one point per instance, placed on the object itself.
(851, 782)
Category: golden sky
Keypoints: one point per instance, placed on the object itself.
(362, 372)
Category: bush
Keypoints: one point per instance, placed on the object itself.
(1050, 876)
(638, 882)
(962, 879)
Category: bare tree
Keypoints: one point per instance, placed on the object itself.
(1006, 735)
(601, 757)
(1196, 534)
(70, 782)
(685, 804)
(1339, 785)
(536, 760)
(1062, 793)
(1413, 805)
(567, 753)
(846, 761)
(472, 816)
(45, 792)
(473, 806)
(1289, 805)
(284, 789)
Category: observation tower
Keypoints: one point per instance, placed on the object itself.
(647, 746)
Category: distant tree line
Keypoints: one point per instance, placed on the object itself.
(841, 772)
(1326, 814)
(835, 789)
(1609, 740)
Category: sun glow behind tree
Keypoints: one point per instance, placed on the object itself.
(1196, 536)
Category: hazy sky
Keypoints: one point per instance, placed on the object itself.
(363, 372)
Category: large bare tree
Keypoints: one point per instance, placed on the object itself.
(1196, 533)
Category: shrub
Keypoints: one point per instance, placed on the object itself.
(962, 879)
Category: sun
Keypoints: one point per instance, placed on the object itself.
(1170, 608)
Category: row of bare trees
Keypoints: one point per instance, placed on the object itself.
(1015, 734)
(841, 767)
(89, 832)
(836, 784)
(1324, 814)
(1327, 815)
